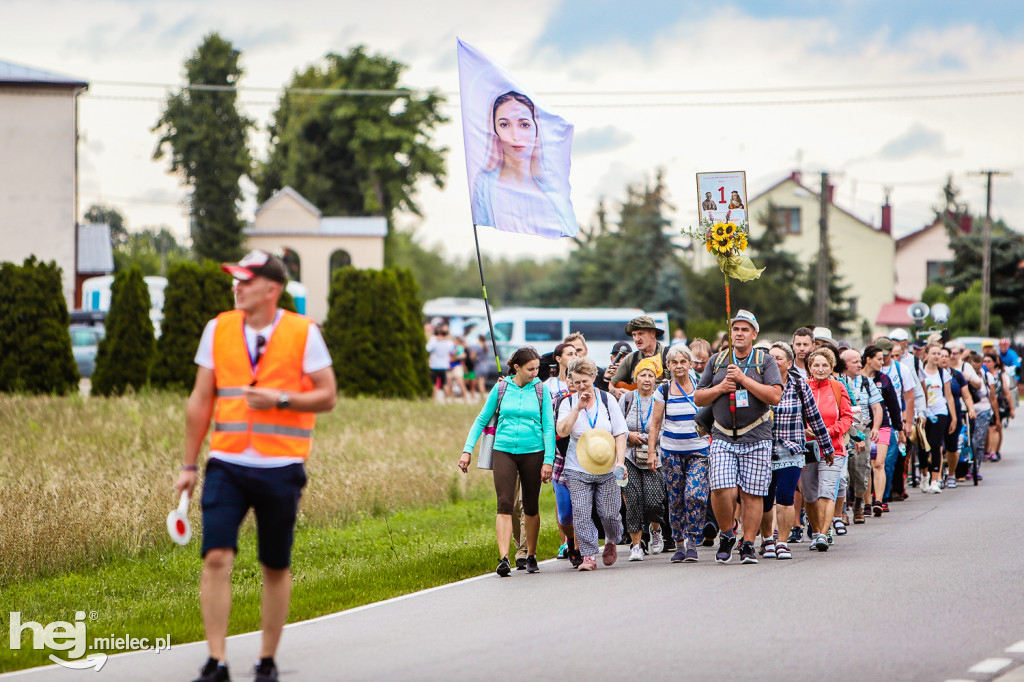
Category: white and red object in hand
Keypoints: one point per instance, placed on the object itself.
(178, 526)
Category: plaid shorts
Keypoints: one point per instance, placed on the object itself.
(748, 465)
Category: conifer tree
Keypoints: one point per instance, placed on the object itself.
(35, 347)
(125, 354)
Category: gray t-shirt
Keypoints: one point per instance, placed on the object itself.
(767, 374)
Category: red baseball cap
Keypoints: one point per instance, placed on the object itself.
(257, 263)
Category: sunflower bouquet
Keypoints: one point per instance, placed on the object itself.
(727, 241)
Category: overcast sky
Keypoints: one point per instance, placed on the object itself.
(897, 94)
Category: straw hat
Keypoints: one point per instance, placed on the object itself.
(595, 451)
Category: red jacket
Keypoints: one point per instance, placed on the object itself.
(838, 417)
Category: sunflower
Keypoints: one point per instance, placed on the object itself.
(723, 245)
(743, 242)
(711, 246)
(729, 227)
(719, 231)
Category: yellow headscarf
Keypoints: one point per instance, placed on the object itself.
(652, 363)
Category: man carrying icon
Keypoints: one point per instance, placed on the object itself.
(263, 374)
(740, 386)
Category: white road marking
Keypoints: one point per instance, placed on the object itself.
(990, 665)
(1017, 648)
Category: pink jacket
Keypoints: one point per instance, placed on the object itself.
(838, 417)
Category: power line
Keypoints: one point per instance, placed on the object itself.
(406, 92)
(654, 105)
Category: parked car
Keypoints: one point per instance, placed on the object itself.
(85, 341)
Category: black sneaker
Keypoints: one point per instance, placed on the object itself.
(265, 671)
(504, 567)
(575, 557)
(520, 564)
(213, 671)
(725, 545)
(747, 554)
(531, 564)
(710, 531)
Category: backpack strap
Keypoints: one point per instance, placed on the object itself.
(540, 398)
(502, 385)
(627, 401)
(664, 392)
(836, 388)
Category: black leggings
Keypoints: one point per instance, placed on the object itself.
(506, 468)
(935, 432)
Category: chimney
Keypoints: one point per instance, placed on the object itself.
(966, 223)
(831, 193)
(795, 175)
(887, 218)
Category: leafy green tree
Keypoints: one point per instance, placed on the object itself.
(1007, 286)
(372, 334)
(436, 276)
(152, 251)
(35, 347)
(126, 352)
(187, 309)
(99, 214)
(965, 314)
(206, 137)
(353, 155)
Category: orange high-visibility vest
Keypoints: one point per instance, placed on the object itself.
(273, 432)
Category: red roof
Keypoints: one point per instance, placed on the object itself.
(895, 314)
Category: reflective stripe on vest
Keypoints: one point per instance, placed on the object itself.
(273, 432)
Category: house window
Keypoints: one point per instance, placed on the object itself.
(939, 270)
(789, 220)
(339, 259)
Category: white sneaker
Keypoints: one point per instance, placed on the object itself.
(936, 488)
(637, 553)
(926, 486)
(657, 542)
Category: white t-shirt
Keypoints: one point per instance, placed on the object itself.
(920, 404)
(611, 420)
(935, 395)
(557, 387)
(440, 353)
(314, 358)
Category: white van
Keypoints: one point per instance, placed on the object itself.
(544, 328)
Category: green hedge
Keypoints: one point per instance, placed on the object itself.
(125, 354)
(375, 335)
(35, 347)
(195, 294)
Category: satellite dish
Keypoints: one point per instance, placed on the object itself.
(918, 311)
(940, 313)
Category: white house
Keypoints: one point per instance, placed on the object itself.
(925, 257)
(39, 168)
(314, 246)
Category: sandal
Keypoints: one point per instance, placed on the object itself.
(782, 551)
(839, 526)
(768, 550)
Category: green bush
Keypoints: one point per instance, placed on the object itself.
(195, 294)
(965, 314)
(705, 329)
(35, 347)
(126, 352)
(376, 341)
(286, 302)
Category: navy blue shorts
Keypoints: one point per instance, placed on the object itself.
(230, 490)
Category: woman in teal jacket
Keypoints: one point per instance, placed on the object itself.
(524, 447)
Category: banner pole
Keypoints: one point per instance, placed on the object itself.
(487, 305)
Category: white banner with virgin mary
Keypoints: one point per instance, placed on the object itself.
(517, 154)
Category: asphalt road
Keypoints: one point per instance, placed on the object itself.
(925, 593)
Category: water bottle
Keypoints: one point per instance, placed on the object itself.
(621, 477)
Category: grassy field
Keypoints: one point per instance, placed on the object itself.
(87, 484)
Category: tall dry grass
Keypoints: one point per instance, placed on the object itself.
(86, 478)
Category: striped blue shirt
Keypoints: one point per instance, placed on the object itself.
(678, 430)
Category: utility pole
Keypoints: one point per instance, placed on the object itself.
(821, 291)
(986, 251)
